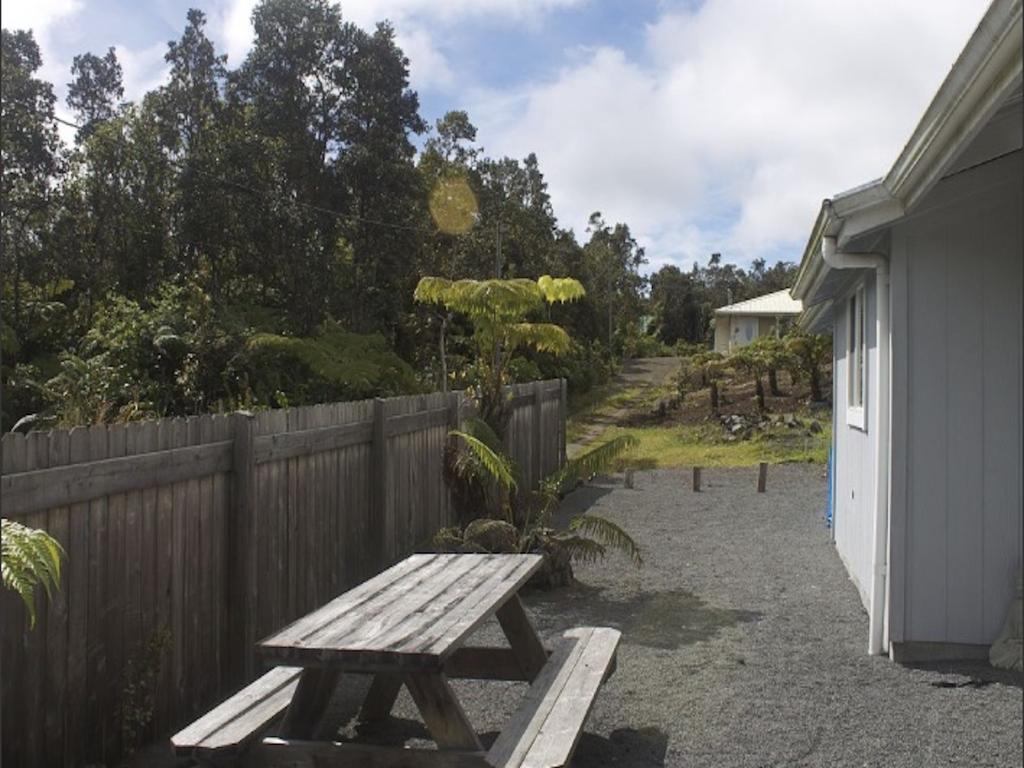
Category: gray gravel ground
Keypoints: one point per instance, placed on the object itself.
(744, 644)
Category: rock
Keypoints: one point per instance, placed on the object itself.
(495, 536)
(815, 426)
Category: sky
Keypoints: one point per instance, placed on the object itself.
(707, 126)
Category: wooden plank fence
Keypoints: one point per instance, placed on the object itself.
(189, 539)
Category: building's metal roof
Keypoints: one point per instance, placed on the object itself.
(778, 303)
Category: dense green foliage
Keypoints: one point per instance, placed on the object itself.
(684, 302)
(251, 233)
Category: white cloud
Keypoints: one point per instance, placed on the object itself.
(144, 69)
(418, 24)
(740, 119)
(236, 31)
(368, 12)
(428, 66)
(38, 15)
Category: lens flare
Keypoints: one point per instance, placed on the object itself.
(453, 205)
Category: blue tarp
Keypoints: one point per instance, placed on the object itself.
(828, 501)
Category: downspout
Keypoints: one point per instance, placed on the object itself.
(877, 641)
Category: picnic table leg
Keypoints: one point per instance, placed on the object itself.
(522, 637)
(441, 711)
(309, 702)
(381, 697)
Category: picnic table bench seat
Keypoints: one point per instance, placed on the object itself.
(236, 722)
(545, 730)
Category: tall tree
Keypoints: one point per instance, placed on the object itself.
(95, 91)
(29, 163)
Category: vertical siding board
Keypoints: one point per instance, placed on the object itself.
(1000, 234)
(899, 445)
(965, 453)
(926, 611)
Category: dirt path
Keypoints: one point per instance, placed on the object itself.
(640, 377)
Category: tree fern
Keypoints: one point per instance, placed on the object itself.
(592, 462)
(607, 534)
(495, 464)
(30, 557)
(582, 549)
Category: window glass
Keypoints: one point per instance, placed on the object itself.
(855, 350)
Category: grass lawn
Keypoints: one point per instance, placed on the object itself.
(682, 445)
(689, 436)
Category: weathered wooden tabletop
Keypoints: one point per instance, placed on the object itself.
(411, 616)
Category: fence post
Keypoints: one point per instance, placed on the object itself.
(379, 468)
(454, 422)
(563, 417)
(240, 638)
(538, 434)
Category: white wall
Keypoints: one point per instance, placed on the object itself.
(722, 330)
(854, 469)
(957, 389)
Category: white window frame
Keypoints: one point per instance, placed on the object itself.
(856, 359)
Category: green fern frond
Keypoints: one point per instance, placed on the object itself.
(361, 362)
(580, 548)
(495, 464)
(592, 462)
(544, 337)
(560, 289)
(432, 290)
(30, 557)
(483, 432)
(608, 534)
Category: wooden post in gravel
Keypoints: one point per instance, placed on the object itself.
(762, 476)
(696, 479)
(628, 482)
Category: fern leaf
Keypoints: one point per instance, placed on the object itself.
(580, 548)
(560, 289)
(592, 462)
(30, 558)
(544, 337)
(608, 534)
(497, 466)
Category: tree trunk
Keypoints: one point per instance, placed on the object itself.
(444, 358)
(773, 383)
(713, 391)
(759, 389)
(815, 376)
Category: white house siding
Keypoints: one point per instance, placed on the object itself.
(854, 469)
(957, 389)
(722, 330)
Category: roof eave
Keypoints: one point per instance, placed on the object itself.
(989, 67)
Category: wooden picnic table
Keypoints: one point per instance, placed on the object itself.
(408, 626)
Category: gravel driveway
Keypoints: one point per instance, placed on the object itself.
(744, 642)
